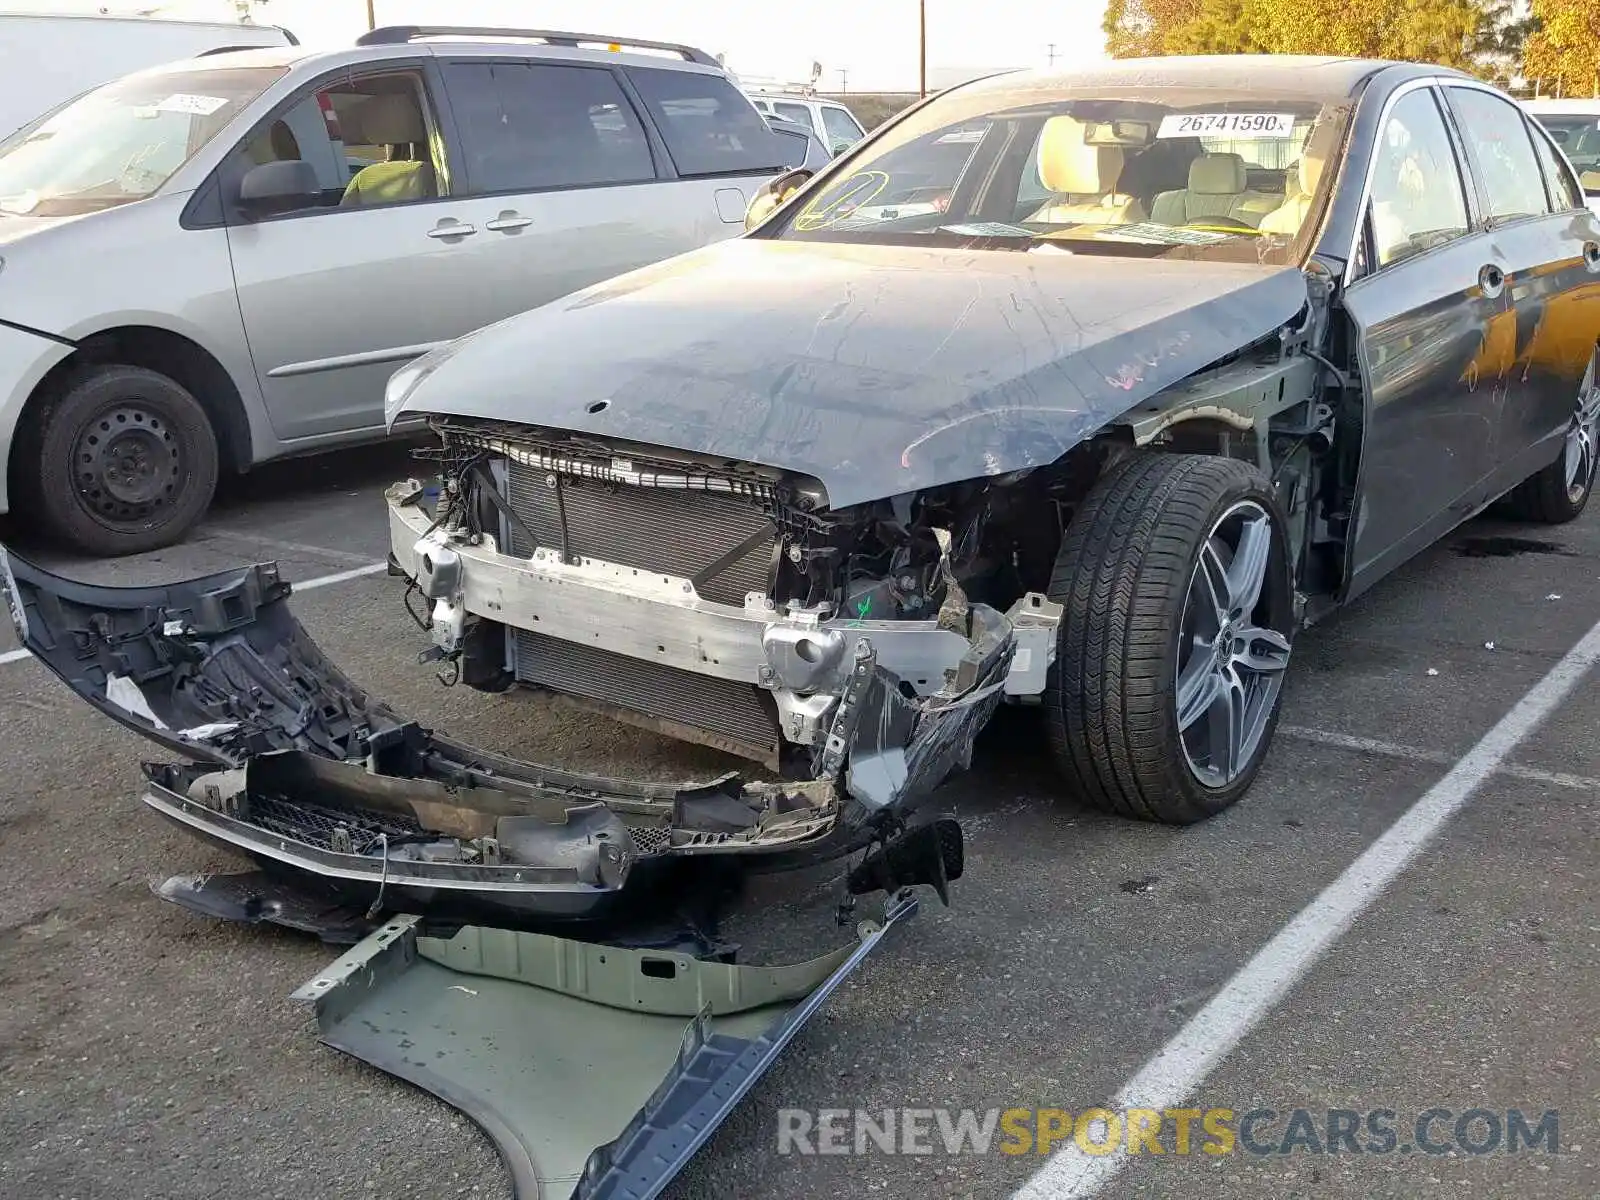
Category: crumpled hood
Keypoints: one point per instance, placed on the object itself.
(875, 369)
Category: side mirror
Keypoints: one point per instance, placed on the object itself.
(279, 187)
(774, 194)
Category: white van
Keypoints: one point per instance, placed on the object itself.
(47, 59)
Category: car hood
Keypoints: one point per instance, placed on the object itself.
(14, 228)
(877, 370)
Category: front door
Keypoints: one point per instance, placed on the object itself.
(1436, 339)
(337, 295)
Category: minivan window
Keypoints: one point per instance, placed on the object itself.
(710, 128)
(121, 142)
(532, 126)
(841, 126)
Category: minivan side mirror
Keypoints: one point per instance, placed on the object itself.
(774, 194)
(279, 187)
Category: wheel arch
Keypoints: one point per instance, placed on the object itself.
(174, 355)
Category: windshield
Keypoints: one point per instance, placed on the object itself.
(1577, 134)
(121, 142)
(1147, 173)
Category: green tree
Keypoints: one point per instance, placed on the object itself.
(1563, 52)
(1450, 32)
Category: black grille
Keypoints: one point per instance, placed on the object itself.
(313, 824)
(740, 713)
(675, 532)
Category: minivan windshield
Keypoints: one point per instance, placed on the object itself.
(1145, 172)
(121, 142)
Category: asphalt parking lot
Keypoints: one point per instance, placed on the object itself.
(147, 1052)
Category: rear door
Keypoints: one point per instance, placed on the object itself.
(337, 294)
(1435, 340)
(1549, 245)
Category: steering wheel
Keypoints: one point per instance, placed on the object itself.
(1221, 225)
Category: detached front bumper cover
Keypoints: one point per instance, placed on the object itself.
(285, 759)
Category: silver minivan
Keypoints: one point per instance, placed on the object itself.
(222, 261)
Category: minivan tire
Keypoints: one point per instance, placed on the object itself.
(123, 459)
(1128, 646)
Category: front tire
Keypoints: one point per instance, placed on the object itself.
(1178, 595)
(123, 460)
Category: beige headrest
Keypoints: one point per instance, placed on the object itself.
(1067, 165)
(385, 120)
(1319, 148)
(1217, 175)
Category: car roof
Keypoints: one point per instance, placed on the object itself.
(286, 57)
(1284, 76)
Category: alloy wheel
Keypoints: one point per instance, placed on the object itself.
(1233, 649)
(1579, 459)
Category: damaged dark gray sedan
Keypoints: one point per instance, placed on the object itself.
(1078, 392)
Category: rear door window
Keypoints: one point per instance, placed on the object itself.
(529, 127)
(709, 126)
(1502, 146)
(1564, 191)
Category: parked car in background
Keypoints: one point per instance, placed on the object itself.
(1575, 126)
(831, 121)
(803, 148)
(271, 233)
(47, 59)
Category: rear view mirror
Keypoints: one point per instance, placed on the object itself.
(774, 194)
(279, 187)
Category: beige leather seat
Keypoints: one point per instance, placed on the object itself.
(1217, 190)
(1085, 178)
(1300, 187)
(394, 121)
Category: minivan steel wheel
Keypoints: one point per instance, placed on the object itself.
(1178, 595)
(126, 461)
(1560, 492)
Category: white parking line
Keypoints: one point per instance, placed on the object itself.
(310, 585)
(1345, 741)
(1182, 1065)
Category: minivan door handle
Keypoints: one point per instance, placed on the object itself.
(508, 222)
(1492, 280)
(451, 228)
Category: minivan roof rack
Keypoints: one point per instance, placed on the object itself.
(399, 35)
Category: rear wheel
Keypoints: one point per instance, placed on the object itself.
(124, 460)
(1178, 598)
(1560, 492)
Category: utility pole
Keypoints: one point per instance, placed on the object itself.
(372, 16)
(922, 48)
(1051, 50)
(844, 80)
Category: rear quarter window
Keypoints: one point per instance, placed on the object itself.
(709, 126)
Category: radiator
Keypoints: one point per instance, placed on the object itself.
(732, 716)
(655, 529)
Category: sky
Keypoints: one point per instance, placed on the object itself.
(866, 45)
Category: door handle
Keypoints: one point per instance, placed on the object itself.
(452, 229)
(1492, 280)
(508, 222)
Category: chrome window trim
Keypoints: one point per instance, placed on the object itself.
(1468, 180)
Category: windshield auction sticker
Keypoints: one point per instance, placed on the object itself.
(199, 106)
(1266, 125)
(838, 203)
